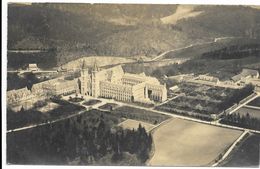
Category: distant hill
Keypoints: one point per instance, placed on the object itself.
(77, 30)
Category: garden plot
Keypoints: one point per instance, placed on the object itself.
(134, 124)
(185, 143)
(198, 99)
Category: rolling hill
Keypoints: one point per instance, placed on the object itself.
(77, 30)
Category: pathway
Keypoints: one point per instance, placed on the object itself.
(244, 103)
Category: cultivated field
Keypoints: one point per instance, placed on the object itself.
(253, 112)
(185, 143)
(134, 124)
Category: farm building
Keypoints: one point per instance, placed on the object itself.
(246, 74)
(33, 67)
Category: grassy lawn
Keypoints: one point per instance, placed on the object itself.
(108, 106)
(91, 102)
(76, 99)
(139, 114)
(185, 143)
(245, 155)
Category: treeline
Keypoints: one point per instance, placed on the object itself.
(236, 97)
(234, 52)
(245, 121)
(82, 140)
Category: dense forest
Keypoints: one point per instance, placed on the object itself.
(89, 139)
(234, 52)
(76, 30)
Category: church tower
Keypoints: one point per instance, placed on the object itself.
(94, 80)
(84, 80)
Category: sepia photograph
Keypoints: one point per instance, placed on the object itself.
(131, 84)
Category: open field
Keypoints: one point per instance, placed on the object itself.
(255, 102)
(245, 155)
(134, 124)
(251, 111)
(186, 143)
(139, 114)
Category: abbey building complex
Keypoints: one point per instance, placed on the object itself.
(116, 84)
(111, 83)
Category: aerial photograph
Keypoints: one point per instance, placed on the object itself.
(157, 85)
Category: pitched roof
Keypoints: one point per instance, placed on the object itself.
(245, 73)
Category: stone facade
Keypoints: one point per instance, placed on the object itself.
(114, 83)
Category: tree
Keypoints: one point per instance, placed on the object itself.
(22, 109)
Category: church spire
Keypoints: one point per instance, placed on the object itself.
(84, 66)
(95, 68)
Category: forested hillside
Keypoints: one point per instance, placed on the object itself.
(77, 30)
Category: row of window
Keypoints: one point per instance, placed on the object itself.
(116, 96)
(114, 88)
